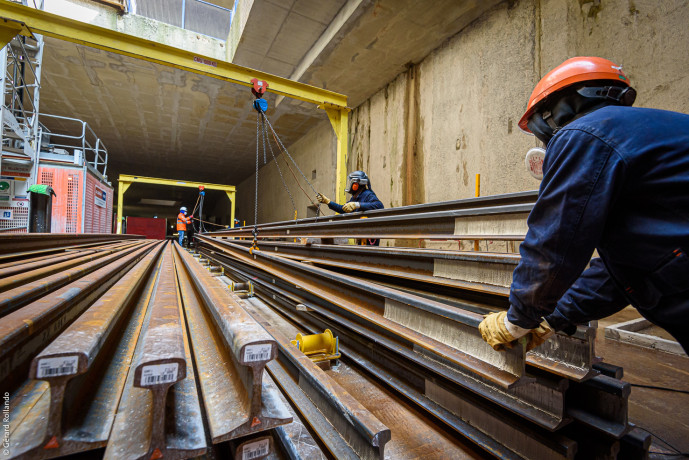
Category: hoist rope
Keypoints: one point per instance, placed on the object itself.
(264, 132)
(210, 223)
(283, 149)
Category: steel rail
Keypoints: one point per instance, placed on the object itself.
(159, 414)
(541, 401)
(98, 345)
(24, 332)
(230, 352)
(14, 269)
(36, 273)
(570, 356)
(358, 426)
(441, 206)
(14, 243)
(601, 403)
(432, 267)
(635, 444)
(551, 413)
(486, 425)
(408, 381)
(254, 448)
(567, 356)
(387, 308)
(464, 224)
(20, 296)
(20, 258)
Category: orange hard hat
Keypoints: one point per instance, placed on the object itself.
(572, 71)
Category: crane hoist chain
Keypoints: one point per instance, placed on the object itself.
(262, 126)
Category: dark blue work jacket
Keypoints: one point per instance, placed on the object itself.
(615, 180)
(367, 199)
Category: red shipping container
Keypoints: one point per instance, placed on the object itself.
(151, 227)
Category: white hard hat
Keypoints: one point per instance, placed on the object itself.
(182, 209)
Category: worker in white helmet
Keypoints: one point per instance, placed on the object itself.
(182, 221)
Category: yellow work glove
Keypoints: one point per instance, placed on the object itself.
(322, 198)
(539, 335)
(351, 206)
(494, 331)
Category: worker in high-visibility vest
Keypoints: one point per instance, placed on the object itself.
(182, 221)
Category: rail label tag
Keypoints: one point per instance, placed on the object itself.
(56, 367)
(257, 352)
(255, 449)
(159, 373)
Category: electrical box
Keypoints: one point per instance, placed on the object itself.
(14, 197)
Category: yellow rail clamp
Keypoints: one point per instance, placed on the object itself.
(243, 288)
(320, 348)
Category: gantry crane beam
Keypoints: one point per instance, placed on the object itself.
(15, 18)
(125, 180)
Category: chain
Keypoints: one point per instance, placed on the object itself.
(255, 231)
(272, 154)
(284, 149)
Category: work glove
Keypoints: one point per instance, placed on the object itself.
(539, 335)
(351, 206)
(322, 198)
(501, 334)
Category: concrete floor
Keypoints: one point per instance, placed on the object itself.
(663, 413)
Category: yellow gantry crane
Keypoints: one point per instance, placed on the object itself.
(125, 181)
(18, 19)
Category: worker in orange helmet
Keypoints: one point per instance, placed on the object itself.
(182, 221)
(615, 180)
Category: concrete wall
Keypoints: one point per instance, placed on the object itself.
(425, 135)
(315, 155)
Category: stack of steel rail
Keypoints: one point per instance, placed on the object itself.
(129, 348)
(408, 318)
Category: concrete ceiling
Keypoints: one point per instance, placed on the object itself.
(365, 45)
(163, 122)
(155, 120)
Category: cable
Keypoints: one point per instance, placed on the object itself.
(283, 149)
(653, 387)
(678, 452)
(264, 132)
(210, 223)
(670, 454)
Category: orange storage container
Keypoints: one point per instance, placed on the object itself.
(83, 203)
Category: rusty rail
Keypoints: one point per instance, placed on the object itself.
(362, 431)
(162, 372)
(37, 273)
(25, 331)
(22, 295)
(540, 400)
(231, 351)
(465, 224)
(567, 356)
(528, 198)
(80, 412)
(16, 244)
(394, 311)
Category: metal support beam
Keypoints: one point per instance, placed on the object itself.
(15, 18)
(339, 119)
(122, 187)
(126, 180)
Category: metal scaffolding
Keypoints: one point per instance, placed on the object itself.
(20, 135)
